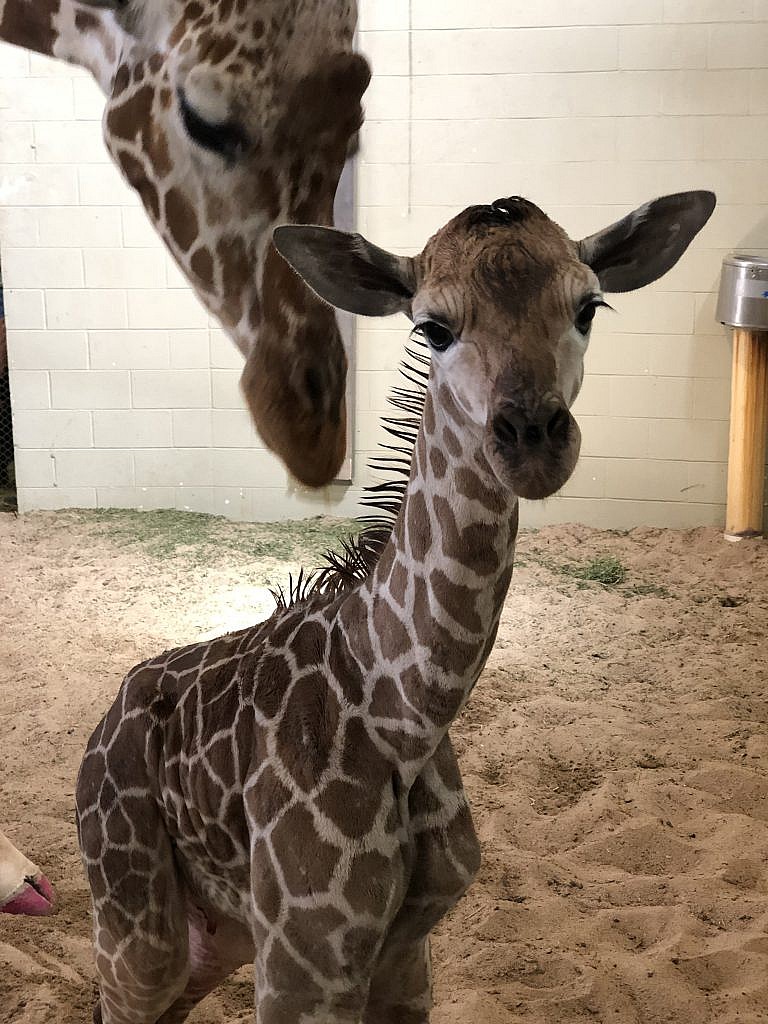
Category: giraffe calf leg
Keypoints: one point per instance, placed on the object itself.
(401, 989)
(216, 949)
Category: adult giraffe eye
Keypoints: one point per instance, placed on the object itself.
(226, 138)
(436, 335)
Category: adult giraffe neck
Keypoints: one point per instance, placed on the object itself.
(68, 31)
(427, 617)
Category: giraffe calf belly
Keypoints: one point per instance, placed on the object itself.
(217, 945)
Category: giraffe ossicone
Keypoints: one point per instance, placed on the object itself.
(228, 117)
(288, 795)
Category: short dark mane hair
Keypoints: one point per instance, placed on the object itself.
(501, 213)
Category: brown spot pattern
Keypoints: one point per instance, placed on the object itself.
(419, 528)
(393, 636)
(459, 601)
(369, 884)
(181, 219)
(308, 862)
(307, 730)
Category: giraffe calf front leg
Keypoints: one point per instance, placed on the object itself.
(401, 991)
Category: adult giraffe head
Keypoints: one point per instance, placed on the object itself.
(505, 300)
(229, 117)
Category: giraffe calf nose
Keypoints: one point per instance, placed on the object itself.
(516, 427)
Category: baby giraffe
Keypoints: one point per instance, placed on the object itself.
(288, 795)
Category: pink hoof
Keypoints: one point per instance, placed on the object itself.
(35, 898)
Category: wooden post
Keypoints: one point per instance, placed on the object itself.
(749, 429)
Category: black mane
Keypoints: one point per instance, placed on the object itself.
(359, 554)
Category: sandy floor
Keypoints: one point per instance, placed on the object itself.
(616, 755)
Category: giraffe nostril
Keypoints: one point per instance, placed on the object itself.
(557, 427)
(314, 386)
(505, 430)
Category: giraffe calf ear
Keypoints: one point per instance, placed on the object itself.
(642, 247)
(347, 271)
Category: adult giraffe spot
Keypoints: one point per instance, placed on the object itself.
(32, 33)
(122, 81)
(137, 177)
(86, 21)
(131, 118)
(201, 265)
(180, 218)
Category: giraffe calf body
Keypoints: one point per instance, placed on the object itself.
(289, 794)
(213, 836)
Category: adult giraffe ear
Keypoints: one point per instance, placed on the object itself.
(347, 271)
(642, 247)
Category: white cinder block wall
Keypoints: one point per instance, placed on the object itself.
(125, 394)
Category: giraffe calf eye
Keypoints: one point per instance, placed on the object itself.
(587, 315)
(227, 139)
(438, 336)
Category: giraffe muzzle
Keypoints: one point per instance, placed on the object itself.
(535, 447)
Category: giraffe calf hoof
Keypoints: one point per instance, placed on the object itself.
(34, 898)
